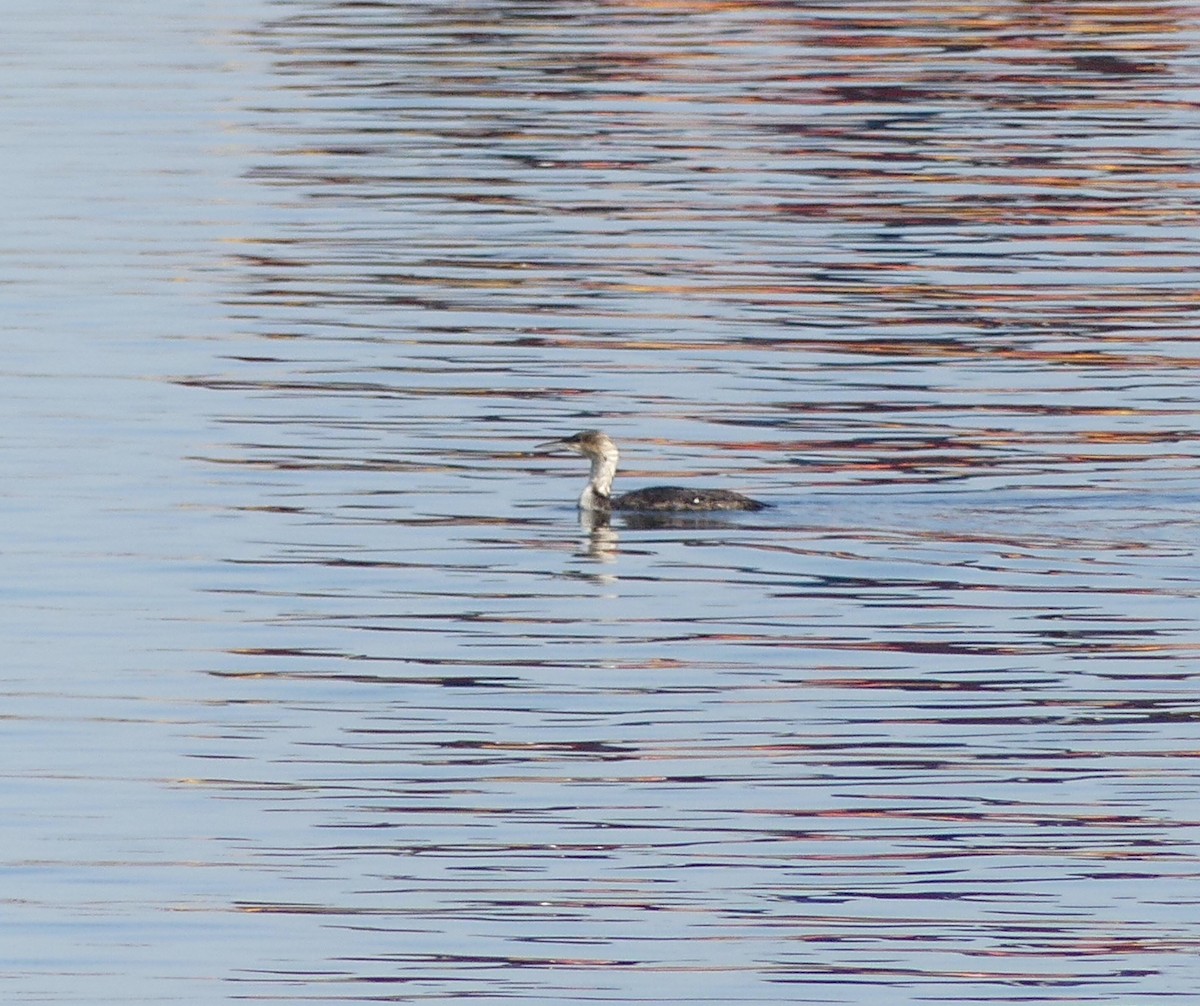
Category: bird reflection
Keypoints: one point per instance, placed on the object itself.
(602, 538)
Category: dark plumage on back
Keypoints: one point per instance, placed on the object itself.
(679, 498)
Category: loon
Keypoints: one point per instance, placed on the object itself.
(597, 494)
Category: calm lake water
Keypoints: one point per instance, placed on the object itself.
(316, 688)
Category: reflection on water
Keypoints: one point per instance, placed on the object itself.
(925, 729)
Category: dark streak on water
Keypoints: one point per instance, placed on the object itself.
(320, 691)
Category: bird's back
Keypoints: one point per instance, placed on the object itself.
(679, 498)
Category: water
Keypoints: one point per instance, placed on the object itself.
(316, 688)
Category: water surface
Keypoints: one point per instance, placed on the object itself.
(318, 688)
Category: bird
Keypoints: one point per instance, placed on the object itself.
(598, 447)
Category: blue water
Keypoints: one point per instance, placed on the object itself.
(316, 688)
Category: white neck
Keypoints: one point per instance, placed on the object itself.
(598, 491)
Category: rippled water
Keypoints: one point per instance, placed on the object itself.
(318, 688)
